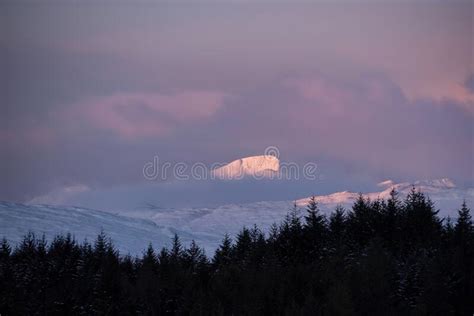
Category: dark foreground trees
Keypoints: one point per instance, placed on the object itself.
(387, 257)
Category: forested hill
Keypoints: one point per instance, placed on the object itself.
(382, 257)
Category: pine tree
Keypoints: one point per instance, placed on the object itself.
(448, 233)
(272, 233)
(100, 244)
(315, 229)
(148, 282)
(63, 260)
(290, 244)
(105, 274)
(176, 252)
(31, 273)
(195, 257)
(243, 246)
(5, 250)
(464, 227)
(464, 260)
(421, 226)
(149, 257)
(258, 246)
(295, 219)
(361, 221)
(223, 254)
(337, 228)
(337, 221)
(390, 229)
(314, 220)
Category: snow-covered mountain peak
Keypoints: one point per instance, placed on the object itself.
(443, 189)
(255, 166)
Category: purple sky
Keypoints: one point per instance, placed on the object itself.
(368, 90)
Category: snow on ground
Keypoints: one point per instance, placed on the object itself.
(130, 235)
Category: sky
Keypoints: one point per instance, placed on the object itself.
(367, 90)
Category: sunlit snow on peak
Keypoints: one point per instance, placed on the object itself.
(256, 166)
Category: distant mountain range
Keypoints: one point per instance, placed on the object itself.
(132, 230)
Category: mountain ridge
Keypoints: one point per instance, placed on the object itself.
(132, 230)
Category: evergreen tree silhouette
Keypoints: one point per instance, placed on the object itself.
(390, 229)
(7, 297)
(464, 227)
(421, 226)
(223, 254)
(337, 229)
(464, 260)
(315, 229)
(361, 221)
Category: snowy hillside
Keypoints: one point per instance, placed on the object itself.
(134, 229)
(130, 235)
(256, 166)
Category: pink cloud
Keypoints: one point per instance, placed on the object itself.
(134, 115)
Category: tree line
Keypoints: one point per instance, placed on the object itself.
(382, 257)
